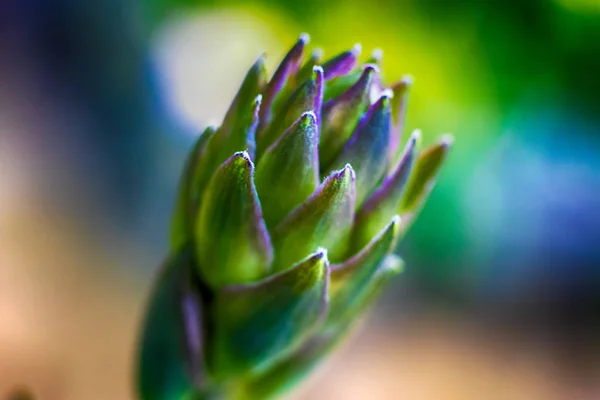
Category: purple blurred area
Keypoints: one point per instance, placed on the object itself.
(100, 102)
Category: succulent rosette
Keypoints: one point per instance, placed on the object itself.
(285, 227)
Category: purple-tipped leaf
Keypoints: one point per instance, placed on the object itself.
(254, 83)
(288, 172)
(341, 115)
(343, 63)
(366, 150)
(306, 69)
(231, 240)
(237, 133)
(376, 212)
(308, 97)
(324, 219)
(289, 66)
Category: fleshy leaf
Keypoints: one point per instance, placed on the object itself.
(422, 179)
(254, 83)
(292, 159)
(324, 219)
(350, 278)
(232, 242)
(285, 374)
(401, 91)
(172, 350)
(257, 324)
(306, 70)
(185, 206)
(383, 204)
(237, 133)
(288, 66)
(308, 97)
(343, 63)
(366, 150)
(243, 136)
(341, 115)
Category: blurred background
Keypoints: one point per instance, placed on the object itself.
(100, 101)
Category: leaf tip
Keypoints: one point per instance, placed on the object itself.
(304, 38)
(447, 140)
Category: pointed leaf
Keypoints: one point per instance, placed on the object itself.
(237, 133)
(343, 63)
(366, 150)
(294, 81)
(288, 66)
(292, 159)
(341, 115)
(243, 135)
(323, 220)
(422, 179)
(257, 324)
(308, 97)
(185, 204)
(232, 242)
(349, 279)
(285, 374)
(306, 70)
(383, 204)
(253, 84)
(171, 352)
(401, 91)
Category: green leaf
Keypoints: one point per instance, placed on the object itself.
(292, 159)
(287, 373)
(171, 352)
(351, 278)
(254, 83)
(308, 97)
(237, 133)
(323, 220)
(341, 115)
(422, 179)
(185, 205)
(306, 70)
(288, 67)
(376, 212)
(366, 150)
(257, 324)
(401, 91)
(232, 242)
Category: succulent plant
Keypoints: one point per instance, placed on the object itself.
(285, 227)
